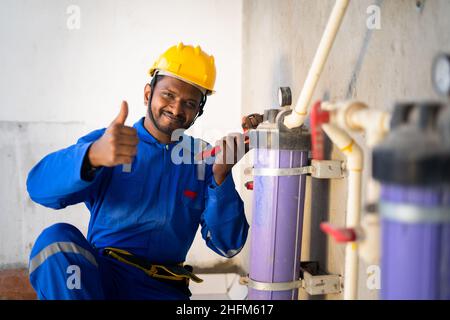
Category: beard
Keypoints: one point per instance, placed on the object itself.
(166, 122)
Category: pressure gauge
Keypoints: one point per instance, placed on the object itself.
(441, 74)
(284, 96)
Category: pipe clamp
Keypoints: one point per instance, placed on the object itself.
(277, 172)
(320, 169)
(272, 286)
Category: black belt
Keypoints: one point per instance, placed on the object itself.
(175, 274)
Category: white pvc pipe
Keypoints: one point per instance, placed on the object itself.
(354, 166)
(351, 249)
(300, 111)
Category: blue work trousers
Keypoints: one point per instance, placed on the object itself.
(64, 265)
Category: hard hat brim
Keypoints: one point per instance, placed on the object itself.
(204, 91)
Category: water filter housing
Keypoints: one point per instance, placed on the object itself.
(412, 165)
(278, 201)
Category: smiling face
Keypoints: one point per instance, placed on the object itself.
(174, 105)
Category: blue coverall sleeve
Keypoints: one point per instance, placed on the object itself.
(56, 180)
(224, 225)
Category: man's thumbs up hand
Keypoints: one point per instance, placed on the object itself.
(118, 145)
(123, 114)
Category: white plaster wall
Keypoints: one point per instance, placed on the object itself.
(57, 84)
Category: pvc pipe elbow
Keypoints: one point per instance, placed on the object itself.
(347, 145)
(338, 136)
(294, 120)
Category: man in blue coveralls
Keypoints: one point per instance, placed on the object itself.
(145, 208)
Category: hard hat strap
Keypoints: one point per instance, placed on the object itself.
(150, 113)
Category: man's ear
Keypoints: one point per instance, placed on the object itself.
(147, 91)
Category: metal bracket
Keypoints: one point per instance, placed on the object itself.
(313, 280)
(317, 282)
(320, 169)
(327, 169)
(271, 286)
(278, 172)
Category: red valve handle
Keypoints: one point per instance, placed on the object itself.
(339, 234)
(318, 117)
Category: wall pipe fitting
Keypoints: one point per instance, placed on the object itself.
(354, 157)
(367, 236)
(300, 111)
(357, 116)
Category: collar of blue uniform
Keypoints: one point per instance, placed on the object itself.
(145, 136)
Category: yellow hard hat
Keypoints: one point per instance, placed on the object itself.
(188, 63)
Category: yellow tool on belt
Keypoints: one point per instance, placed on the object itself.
(176, 272)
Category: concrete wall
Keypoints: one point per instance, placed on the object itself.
(58, 82)
(378, 66)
